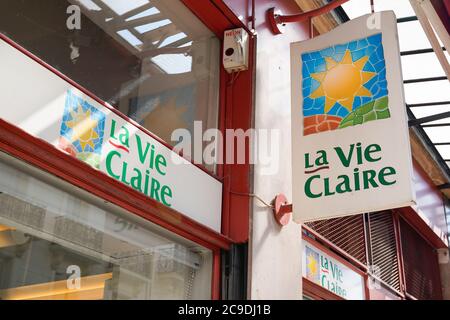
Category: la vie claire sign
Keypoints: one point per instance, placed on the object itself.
(324, 270)
(350, 141)
(41, 103)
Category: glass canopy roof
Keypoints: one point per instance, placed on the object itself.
(143, 27)
(427, 89)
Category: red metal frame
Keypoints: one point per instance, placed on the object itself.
(216, 276)
(235, 112)
(275, 20)
(317, 292)
(216, 15)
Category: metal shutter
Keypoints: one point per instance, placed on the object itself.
(383, 249)
(347, 233)
(421, 265)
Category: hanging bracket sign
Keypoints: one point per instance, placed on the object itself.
(350, 140)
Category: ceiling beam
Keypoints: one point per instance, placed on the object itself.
(434, 117)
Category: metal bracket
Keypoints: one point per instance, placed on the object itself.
(277, 21)
(282, 211)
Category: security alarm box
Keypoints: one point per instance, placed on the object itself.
(235, 50)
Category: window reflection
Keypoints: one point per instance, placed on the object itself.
(153, 60)
(58, 246)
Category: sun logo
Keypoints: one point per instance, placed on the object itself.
(82, 130)
(342, 81)
(83, 127)
(312, 265)
(344, 85)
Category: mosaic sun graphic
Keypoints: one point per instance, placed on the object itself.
(344, 85)
(82, 130)
(312, 265)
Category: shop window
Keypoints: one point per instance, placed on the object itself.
(57, 242)
(152, 60)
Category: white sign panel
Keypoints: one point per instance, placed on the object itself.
(330, 274)
(41, 103)
(350, 140)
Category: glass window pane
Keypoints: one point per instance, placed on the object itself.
(155, 61)
(121, 7)
(412, 36)
(422, 65)
(402, 8)
(356, 9)
(55, 245)
(438, 134)
(421, 92)
(444, 150)
(420, 112)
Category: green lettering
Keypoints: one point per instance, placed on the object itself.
(327, 187)
(155, 189)
(345, 160)
(136, 181)
(307, 164)
(343, 186)
(160, 161)
(113, 129)
(142, 154)
(358, 153)
(385, 172)
(124, 137)
(124, 173)
(322, 159)
(109, 164)
(372, 149)
(166, 192)
(308, 191)
(356, 179)
(368, 177)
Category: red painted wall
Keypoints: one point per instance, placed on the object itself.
(442, 8)
(430, 203)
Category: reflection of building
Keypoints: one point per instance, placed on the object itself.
(35, 261)
(136, 225)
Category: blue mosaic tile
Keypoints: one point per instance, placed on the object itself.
(314, 62)
(306, 57)
(320, 65)
(352, 45)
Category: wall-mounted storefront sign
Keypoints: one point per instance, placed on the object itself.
(43, 104)
(327, 272)
(351, 151)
